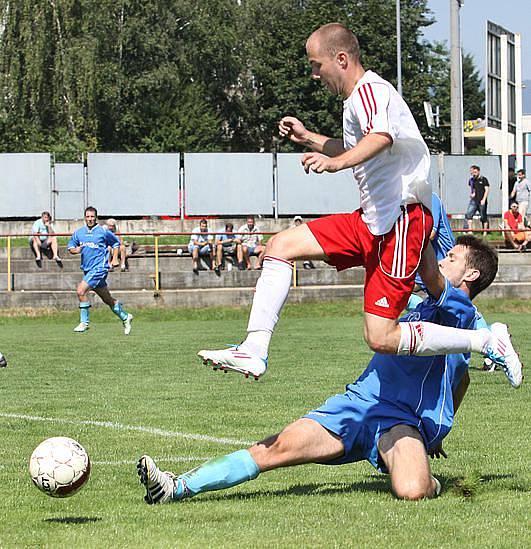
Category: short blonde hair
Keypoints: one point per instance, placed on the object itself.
(335, 37)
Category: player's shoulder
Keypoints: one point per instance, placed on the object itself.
(371, 77)
(457, 303)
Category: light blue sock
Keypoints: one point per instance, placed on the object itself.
(118, 311)
(414, 300)
(217, 474)
(84, 307)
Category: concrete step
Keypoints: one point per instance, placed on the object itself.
(64, 281)
(136, 264)
(67, 279)
(229, 297)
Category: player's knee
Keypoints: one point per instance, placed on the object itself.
(80, 291)
(278, 246)
(412, 490)
(378, 343)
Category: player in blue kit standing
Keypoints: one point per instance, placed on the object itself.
(92, 242)
(395, 415)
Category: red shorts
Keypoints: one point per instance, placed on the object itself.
(390, 260)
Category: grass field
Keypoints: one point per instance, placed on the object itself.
(122, 396)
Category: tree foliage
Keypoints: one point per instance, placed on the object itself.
(170, 75)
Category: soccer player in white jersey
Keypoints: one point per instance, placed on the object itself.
(390, 163)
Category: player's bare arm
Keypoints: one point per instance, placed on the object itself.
(367, 148)
(430, 272)
(75, 251)
(294, 129)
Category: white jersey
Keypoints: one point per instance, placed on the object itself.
(399, 174)
(200, 237)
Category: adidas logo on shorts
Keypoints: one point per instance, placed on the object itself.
(382, 302)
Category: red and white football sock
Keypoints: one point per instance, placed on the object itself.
(428, 339)
(272, 290)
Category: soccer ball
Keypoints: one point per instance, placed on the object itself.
(59, 466)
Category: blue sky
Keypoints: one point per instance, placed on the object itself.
(514, 15)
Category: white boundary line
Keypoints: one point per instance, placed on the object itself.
(174, 459)
(124, 427)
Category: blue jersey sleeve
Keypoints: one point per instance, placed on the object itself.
(456, 309)
(111, 239)
(436, 206)
(443, 240)
(74, 241)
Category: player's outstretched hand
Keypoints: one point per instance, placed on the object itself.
(437, 452)
(293, 129)
(318, 163)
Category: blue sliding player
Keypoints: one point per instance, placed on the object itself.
(394, 416)
(92, 241)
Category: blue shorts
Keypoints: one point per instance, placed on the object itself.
(251, 249)
(360, 421)
(96, 279)
(203, 249)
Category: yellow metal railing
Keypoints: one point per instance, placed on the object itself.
(156, 237)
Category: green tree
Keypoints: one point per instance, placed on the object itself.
(167, 75)
(473, 92)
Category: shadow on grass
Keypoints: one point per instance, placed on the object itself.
(375, 484)
(326, 488)
(73, 520)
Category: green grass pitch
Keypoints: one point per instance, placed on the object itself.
(123, 396)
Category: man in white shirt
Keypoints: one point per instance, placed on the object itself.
(387, 235)
(42, 240)
(521, 193)
(201, 245)
(251, 244)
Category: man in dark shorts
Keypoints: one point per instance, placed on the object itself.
(479, 192)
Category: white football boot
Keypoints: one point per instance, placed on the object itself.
(81, 327)
(235, 359)
(159, 485)
(127, 324)
(501, 351)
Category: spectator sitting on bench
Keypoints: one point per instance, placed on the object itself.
(227, 244)
(46, 243)
(251, 244)
(200, 245)
(517, 237)
(118, 256)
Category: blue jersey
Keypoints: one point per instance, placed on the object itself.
(94, 247)
(401, 390)
(423, 385)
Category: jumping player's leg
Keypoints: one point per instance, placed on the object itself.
(271, 293)
(273, 286)
(304, 441)
(403, 452)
